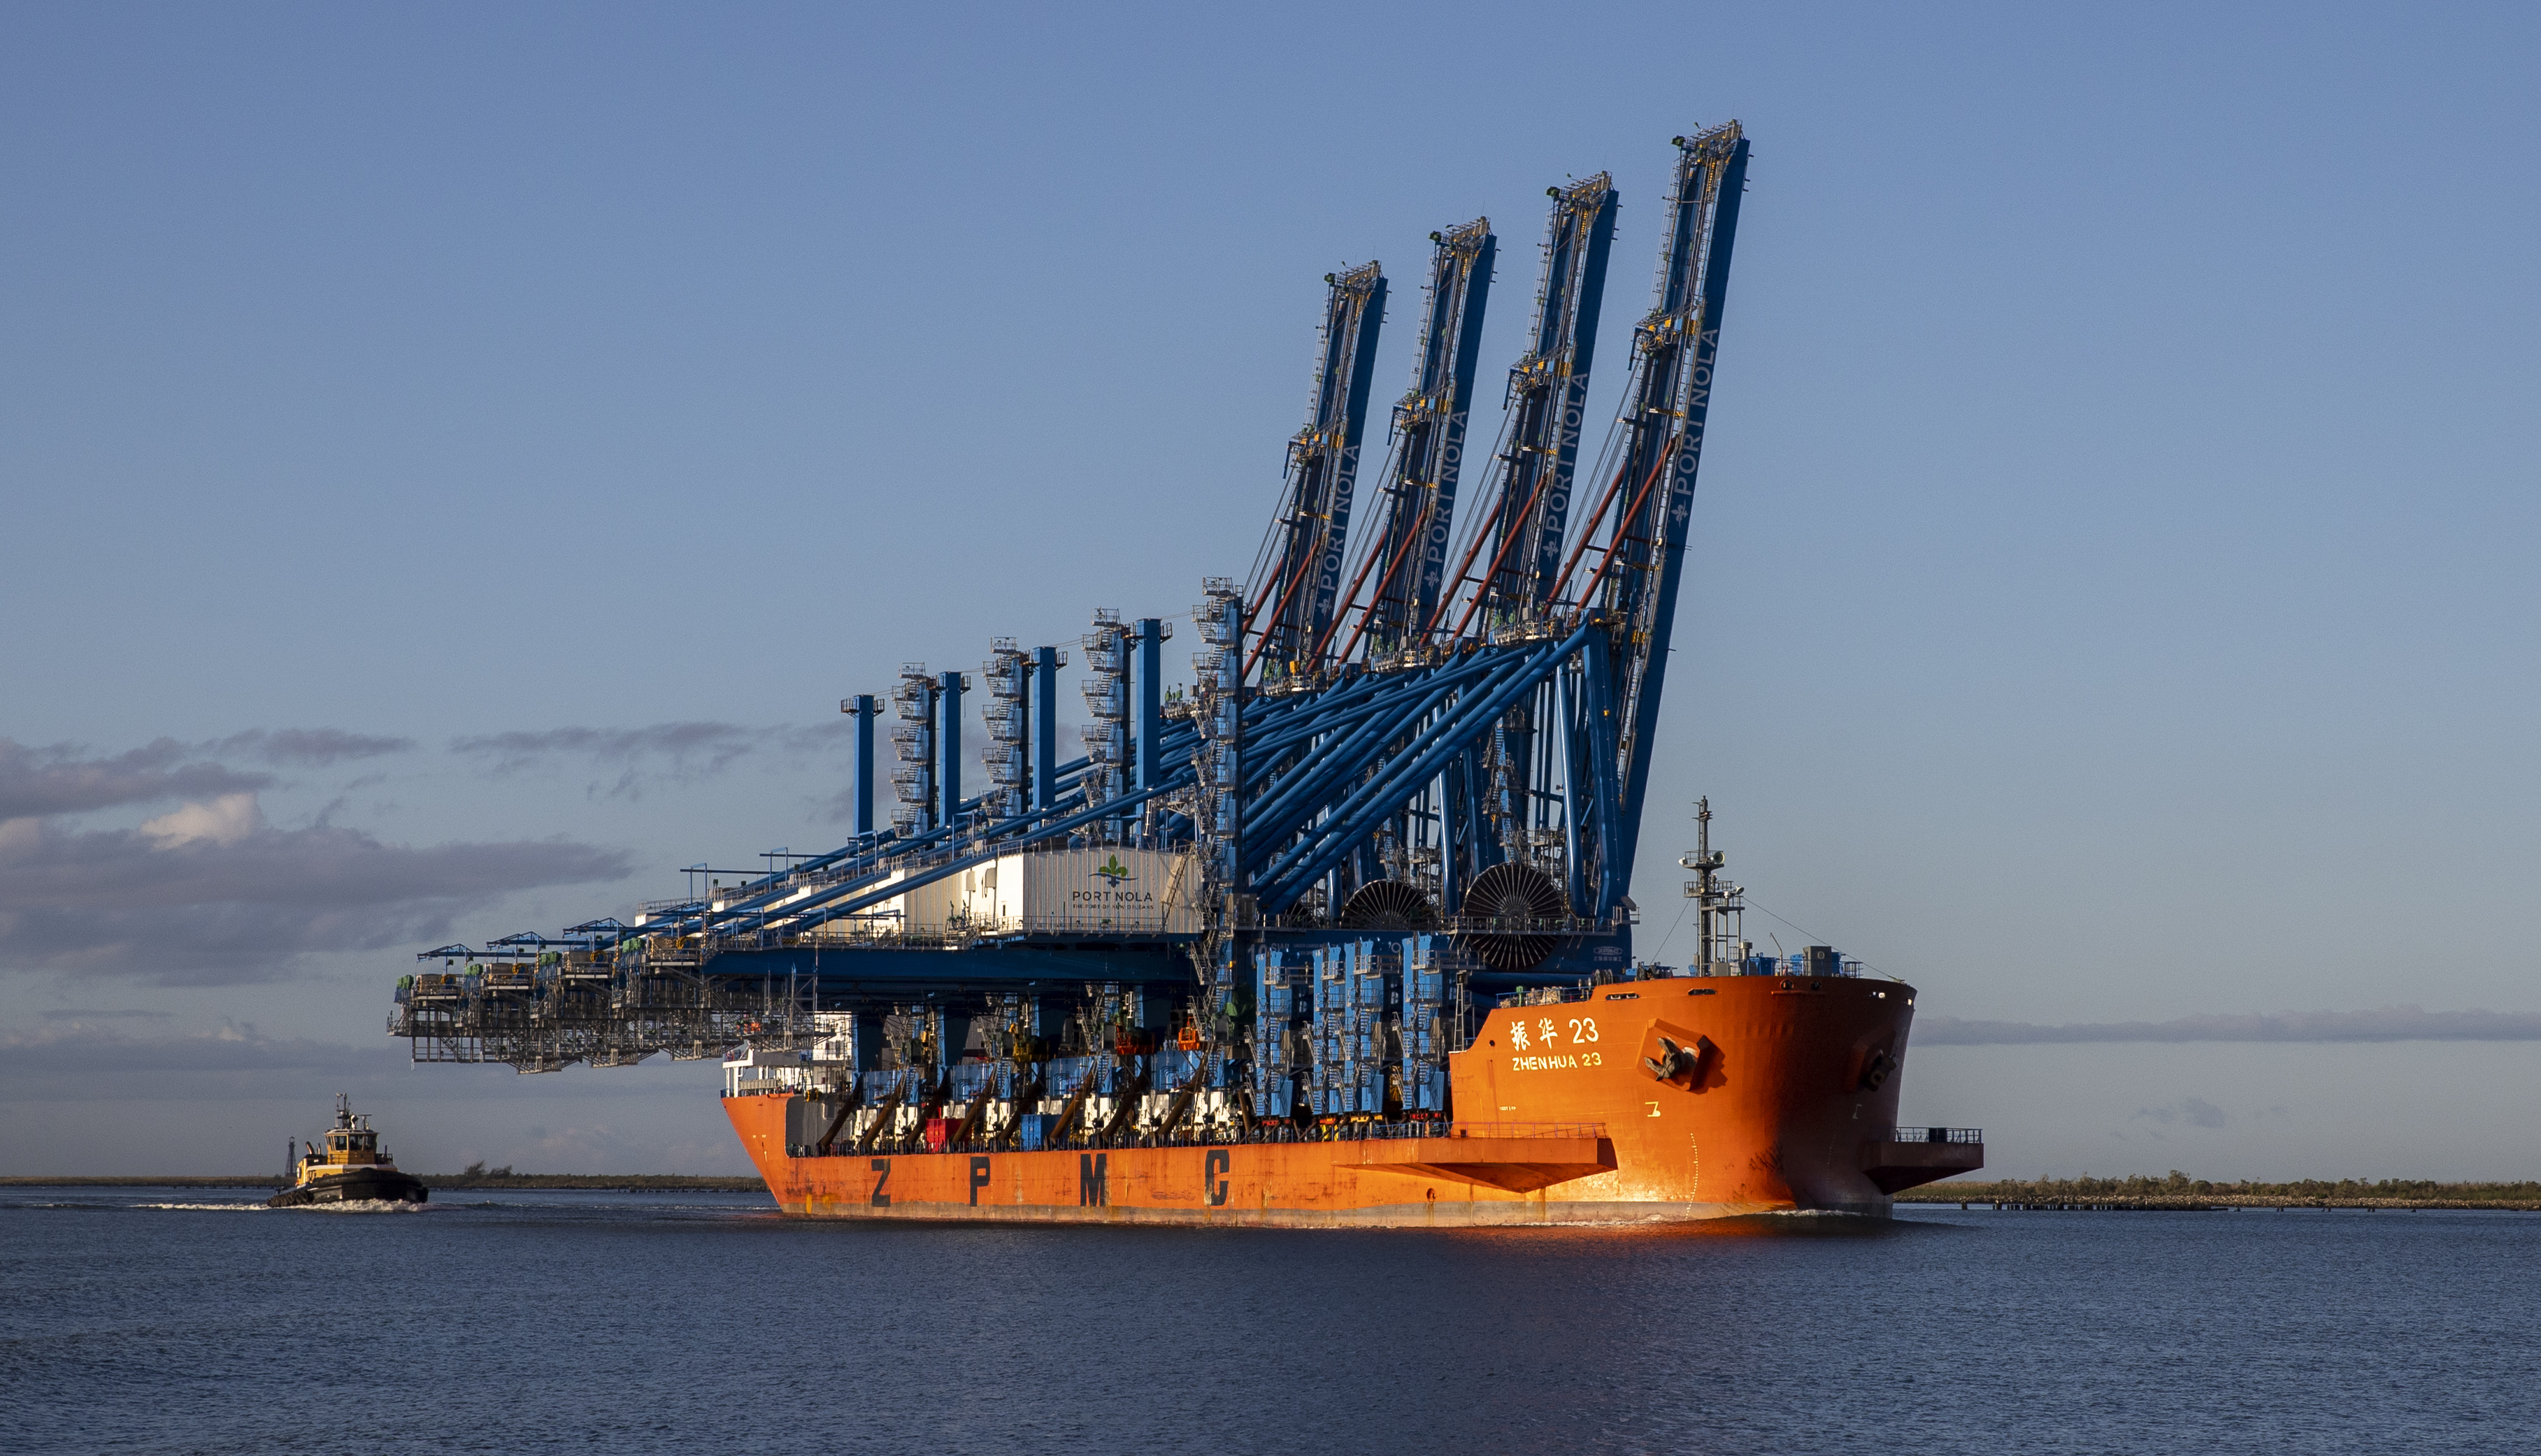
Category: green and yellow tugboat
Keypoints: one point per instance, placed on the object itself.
(348, 1168)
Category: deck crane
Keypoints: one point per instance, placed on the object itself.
(1468, 809)
(1295, 599)
(1407, 563)
(1519, 543)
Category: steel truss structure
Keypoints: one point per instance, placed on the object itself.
(1417, 767)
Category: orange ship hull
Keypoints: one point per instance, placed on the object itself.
(1647, 1102)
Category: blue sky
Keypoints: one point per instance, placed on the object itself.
(456, 458)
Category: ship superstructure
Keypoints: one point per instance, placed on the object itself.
(1309, 899)
(346, 1167)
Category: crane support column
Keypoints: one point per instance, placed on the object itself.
(948, 742)
(914, 741)
(1219, 713)
(864, 708)
(1044, 726)
(1151, 633)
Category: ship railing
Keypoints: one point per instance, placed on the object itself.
(783, 882)
(1545, 996)
(1936, 1134)
(1208, 1136)
(1351, 1132)
(1555, 926)
(1788, 967)
(1373, 1131)
(961, 934)
(1441, 1128)
(1528, 1130)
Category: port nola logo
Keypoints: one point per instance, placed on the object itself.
(1114, 873)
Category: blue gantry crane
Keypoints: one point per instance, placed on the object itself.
(1408, 786)
(1296, 597)
(1548, 409)
(1407, 569)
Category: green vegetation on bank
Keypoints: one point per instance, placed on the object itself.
(2179, 1188)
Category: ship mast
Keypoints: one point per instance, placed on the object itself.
(1716, 905)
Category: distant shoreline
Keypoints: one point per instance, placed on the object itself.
(588, 1182)
(2178, 1193)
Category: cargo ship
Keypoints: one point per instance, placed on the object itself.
(1755, 1085)
(1646, 1101)
(1337, 930)
(346, 1167)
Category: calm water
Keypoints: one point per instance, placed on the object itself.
(181, 1321)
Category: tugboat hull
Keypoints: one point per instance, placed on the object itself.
(364, 1184)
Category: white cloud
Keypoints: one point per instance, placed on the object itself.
(225, 821)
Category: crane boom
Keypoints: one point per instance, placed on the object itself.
(1410, 560)
(1548, 401)
(1670, 398)
(1294, 602)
